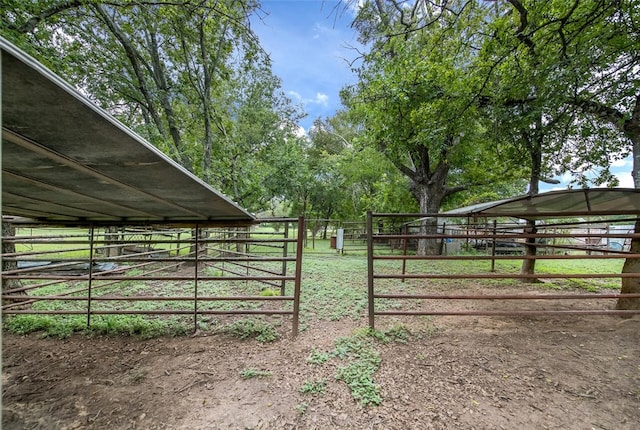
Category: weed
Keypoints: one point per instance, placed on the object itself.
(364, 361)
(318, 357)
(302, 408)
(398, 333)
(315, 388)
(269, 292)
(249, 373)
(61, 326)
(137, 376)
(252, 328)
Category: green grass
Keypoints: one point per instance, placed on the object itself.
(356, 359)
(314, 388)
(63, 326)
(250, 373)
(334, 287)
(252, 328)
(319, 357)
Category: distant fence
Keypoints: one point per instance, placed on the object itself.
(155, 271)
(468, 250)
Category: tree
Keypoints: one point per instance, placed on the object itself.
(548, 63)
(417, 99)
(349, 179)
(610, 97)
(188, 75)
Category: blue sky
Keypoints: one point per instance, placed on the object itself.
(309, 43)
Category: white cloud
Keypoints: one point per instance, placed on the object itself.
(295, 95)
(311, 45)
(626, 180)
(299, 132)
(320, 98)
(625, 162)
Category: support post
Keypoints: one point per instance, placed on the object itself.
(298, 277)
(195, 280)
(91, 236)
(405, 233)
(493, 246)
(370, 290)
(285, 253)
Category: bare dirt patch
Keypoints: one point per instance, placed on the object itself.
(454, 372)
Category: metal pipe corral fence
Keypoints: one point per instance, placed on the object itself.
(155, 271)
(438, 252)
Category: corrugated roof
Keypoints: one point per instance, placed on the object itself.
(65, 160)
(580, 202)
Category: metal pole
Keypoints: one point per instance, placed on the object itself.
(493, 247)
(285, 251)
(195, 281)
(405, 232)
(91, 233)
(298, 277)
(370, 290)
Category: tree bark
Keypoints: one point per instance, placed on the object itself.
(428, 186)
(631, 129)
(631, 285)
(632, 265)
(430, 197)
(535, 151)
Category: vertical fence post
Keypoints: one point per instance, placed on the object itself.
(370, 269)
(91, 235)
(443, 240)
(493, 246)
(285, 254)
(405, 233)
(298, 277)
(195, 280)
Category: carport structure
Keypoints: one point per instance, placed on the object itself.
(66, 163)
(480, 244)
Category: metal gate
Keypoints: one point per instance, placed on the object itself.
(489, 251)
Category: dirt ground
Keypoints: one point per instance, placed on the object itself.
(455, 372)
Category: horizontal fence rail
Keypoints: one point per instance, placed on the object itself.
(414, 259)
(195, 271)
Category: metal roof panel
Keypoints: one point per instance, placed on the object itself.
(65, 160)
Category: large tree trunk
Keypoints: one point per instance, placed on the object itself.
(428, 204)
(629, 125)
(534, 146)
(632, 265)
(428, 185)
(631, 285)
(529, 264)
(430, 194)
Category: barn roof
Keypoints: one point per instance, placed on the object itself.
(580, 202)
(66, 161)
